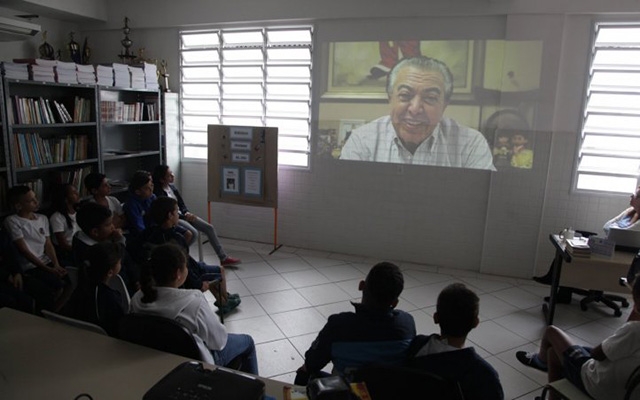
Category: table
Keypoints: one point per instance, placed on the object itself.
(594, 273)
(43, 359)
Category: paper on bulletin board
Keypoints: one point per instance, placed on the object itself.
(252, 181)
(230, 180)
(241, 133)
(241, 157)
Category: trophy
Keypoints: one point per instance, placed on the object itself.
(45, 49)
(162, 71)
(74, 49)
(125, 55)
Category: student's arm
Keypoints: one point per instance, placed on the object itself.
(62, 241)
(23, 249)
(50, 251)
(598, 354)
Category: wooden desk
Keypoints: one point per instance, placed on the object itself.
(594, 273)
(42, 359)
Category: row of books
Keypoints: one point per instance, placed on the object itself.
(31, 110)
(141, 76)
(31, 150)
(73, 176)
(119, 111)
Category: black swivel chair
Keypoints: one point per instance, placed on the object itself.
(390, 383)
(598, 296)
(159, 333)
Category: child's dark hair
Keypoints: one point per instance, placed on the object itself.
(59, 193)
(159, 172)
(160, 269)
(160, 209)
(384, 283)
(139, 179)
(15, 194)
(91, 215)
(93, 181)
(103, 256)
(457, 309)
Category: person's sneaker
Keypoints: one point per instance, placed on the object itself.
(230, 261)
(531, 360)
(228, 306)
(233, 295)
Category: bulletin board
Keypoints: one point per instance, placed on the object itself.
(243, 165)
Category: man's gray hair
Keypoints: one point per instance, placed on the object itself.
(425, 64)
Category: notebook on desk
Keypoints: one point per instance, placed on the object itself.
(625, 239)
(190, 380)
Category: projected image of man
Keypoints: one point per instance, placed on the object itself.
(416, 132)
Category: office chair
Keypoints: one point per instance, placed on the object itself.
(159, 333)
(394, 382)
(598, 296)
(73, 322)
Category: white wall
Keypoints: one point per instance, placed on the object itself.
(497, 223)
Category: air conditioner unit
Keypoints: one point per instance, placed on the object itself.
(15, 29)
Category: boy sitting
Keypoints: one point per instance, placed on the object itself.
(376, 333)
(445, 355)
(601, 372)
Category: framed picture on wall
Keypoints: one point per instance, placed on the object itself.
(358, 70)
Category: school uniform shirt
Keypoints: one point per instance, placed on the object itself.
(59, 224)
(190, 308)
(605, 380)
(34, 232)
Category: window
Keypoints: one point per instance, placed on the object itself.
(609, 158)
(248, 77)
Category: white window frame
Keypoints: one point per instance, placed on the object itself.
(203, 99)
(608, 159)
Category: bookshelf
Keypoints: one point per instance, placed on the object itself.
(51, 133)
(5, 180)
(130, 131)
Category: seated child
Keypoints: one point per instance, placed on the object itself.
(99, 304)
(445, 355)
(601, 372)
(12, 290)
(29, 232)
(96, 224)
(99, 188)
(375, 333)
(160, 294)
(165, 216)
(64, 200)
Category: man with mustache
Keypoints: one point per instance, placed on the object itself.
(415, 132)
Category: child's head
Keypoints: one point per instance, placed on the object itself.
(64, 195)
(503, 139)
(457, 310)
(519, 139)
(104, 260)
(167, 266)
(23, 199)
(164, 209)
(95, 220)
(141, 184)
(382, 286)
(97, 184)
(162, 174)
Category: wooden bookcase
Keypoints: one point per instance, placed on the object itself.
(5, 176)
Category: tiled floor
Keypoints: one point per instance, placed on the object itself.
(287, 297)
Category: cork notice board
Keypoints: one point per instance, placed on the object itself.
(243, 165)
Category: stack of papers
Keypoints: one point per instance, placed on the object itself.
(43, 70)
(137, 77)
(151, 76)
(66, 72)
(121, 75)
(15, 70)
(86, 74)
(578, 247)
(104, 75)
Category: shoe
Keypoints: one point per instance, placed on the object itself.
(228, 306)
(378, 71)
(544, 279)
(233, 295)
(531, 360)
(230, 261)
